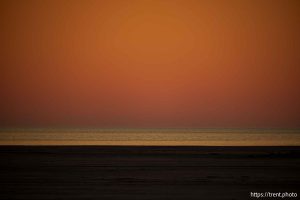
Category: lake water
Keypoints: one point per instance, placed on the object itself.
(172, 137)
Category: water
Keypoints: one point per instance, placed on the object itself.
(185, 137)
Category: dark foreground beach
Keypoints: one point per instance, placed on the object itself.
(144, 172)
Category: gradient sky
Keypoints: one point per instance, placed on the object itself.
(150, 64)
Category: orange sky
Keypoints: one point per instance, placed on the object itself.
(150, 64)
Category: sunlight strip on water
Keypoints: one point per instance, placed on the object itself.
(168, 137)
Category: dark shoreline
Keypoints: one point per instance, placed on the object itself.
(147, 172)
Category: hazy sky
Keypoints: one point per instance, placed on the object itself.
(154, 64)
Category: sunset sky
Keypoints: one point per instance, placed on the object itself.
(150, 64)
